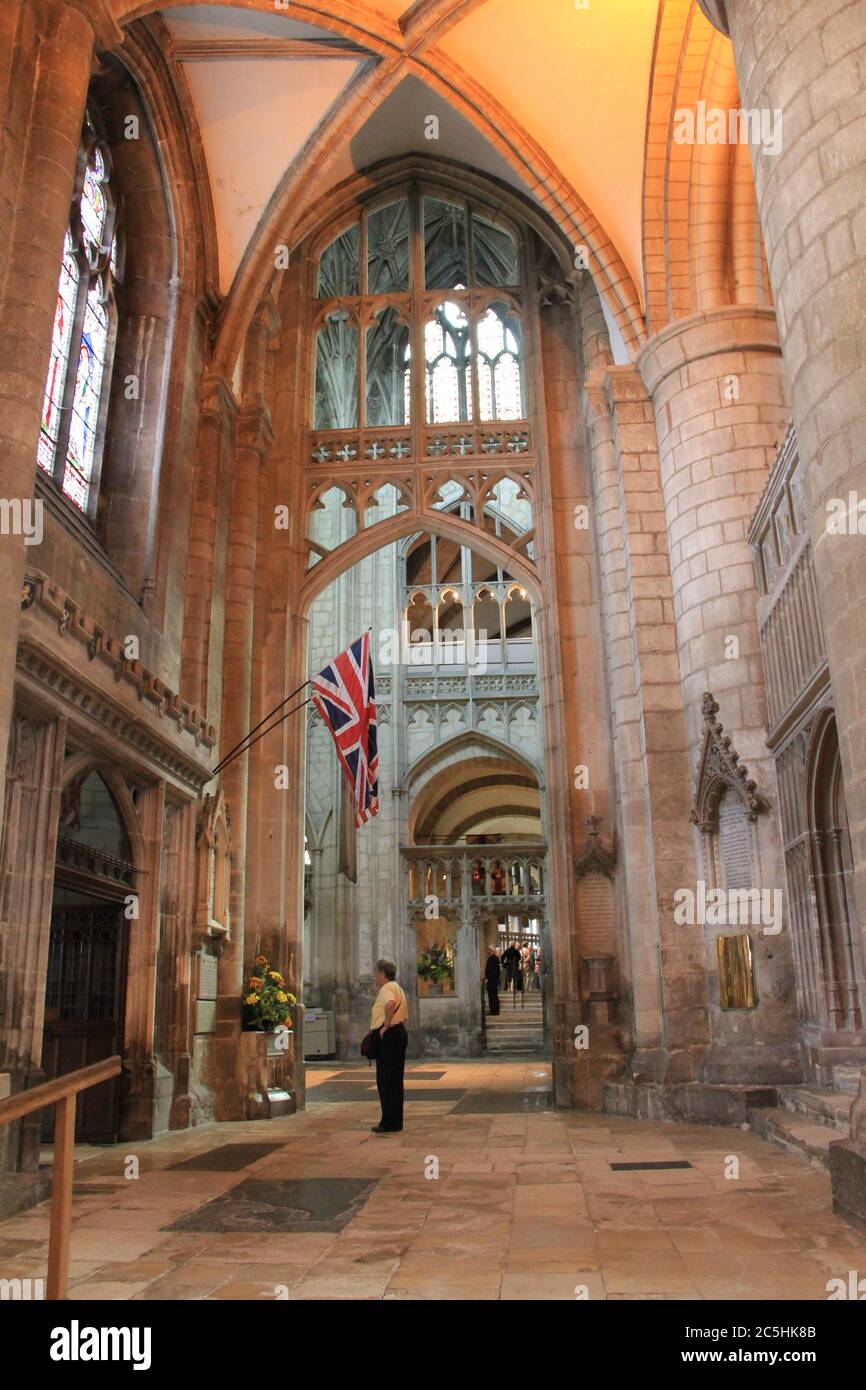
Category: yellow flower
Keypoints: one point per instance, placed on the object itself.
(252, 999)
(275, 975)
(282, 997)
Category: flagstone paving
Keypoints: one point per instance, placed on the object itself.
(495, 1196)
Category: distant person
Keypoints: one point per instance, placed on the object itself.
(390, 1014)
(492, 972)
(511, 961)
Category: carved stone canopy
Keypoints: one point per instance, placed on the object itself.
(595, 858)
(720, 769)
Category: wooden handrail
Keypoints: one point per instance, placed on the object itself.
(49, 1092)
(61, 1092)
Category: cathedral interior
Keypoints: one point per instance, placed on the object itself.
(528, 339)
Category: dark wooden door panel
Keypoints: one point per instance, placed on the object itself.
(84, 1008)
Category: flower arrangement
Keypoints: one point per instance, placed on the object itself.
(267, 1002)
(435, 965)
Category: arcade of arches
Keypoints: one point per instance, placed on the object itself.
(331, 318)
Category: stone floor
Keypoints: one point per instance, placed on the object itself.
(529, 1203)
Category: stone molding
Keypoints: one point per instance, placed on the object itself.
(736, 328)
(107, 33)
(720, 765)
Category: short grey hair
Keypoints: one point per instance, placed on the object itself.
(387, 968)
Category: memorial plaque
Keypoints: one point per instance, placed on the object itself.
(205, 1015)
(207, 976)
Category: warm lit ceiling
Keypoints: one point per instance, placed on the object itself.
(575, 79)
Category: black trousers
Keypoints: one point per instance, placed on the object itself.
(493, 996)
(390, 1065)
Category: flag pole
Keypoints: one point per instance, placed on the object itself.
(282, 719)
(239, 746)
(244, 746)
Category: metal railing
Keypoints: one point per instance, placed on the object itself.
(60, 1092)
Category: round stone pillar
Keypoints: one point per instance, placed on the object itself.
(54, 43)
(806, 62)
(718, 391)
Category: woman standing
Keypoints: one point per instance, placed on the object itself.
(390, 1014)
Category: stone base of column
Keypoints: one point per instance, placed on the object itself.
(848, 1178)
(231, 1078)
(752, 1064)
(693, 1102)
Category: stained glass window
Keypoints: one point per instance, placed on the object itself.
(470, 353)
(500, 371)
(61, 338)
(449, 370)
(79, 366)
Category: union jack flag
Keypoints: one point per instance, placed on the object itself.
(344, 694)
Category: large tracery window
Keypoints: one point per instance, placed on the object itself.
(420, 318)
(79, 369)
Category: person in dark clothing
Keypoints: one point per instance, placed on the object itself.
(511, 961)
(390, 1012)
(492, 972)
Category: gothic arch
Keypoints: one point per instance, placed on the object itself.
(79, 766)
(408, 523)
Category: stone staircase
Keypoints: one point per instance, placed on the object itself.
(808, 1118)
(517, 1029)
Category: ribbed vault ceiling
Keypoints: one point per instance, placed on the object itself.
(575, 80)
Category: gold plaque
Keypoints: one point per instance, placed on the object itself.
(736, 972)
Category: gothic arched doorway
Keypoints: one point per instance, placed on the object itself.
(93, 903)
(832, 883)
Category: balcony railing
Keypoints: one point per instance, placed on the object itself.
(507, 877)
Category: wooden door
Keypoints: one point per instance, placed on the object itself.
(84, 1009)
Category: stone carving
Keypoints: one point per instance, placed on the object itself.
(42, 592)
(719, 767)
(595, 858)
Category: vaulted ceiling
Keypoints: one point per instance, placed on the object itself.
(573, 81)
(569, 101)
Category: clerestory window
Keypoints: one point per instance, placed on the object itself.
(79, 370)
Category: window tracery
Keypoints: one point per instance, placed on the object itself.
(79, 369)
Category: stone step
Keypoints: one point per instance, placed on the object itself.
(847, 1080)
(821, 1107)
(515, 1049)
(794, 1133)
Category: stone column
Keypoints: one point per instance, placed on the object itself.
(34, 776)
(668, 976)
(253, 438)
(718, 391)
(45, 88)
(806, 61)
(201, 669)
(719, 395)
